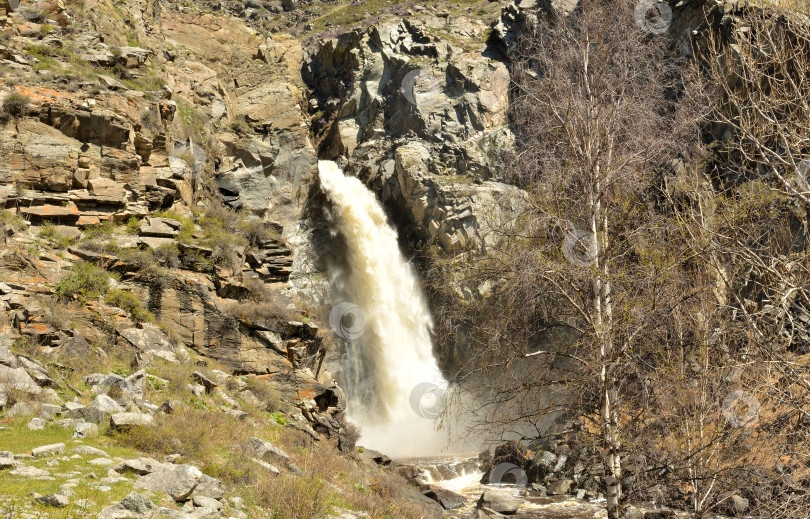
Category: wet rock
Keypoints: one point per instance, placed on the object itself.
(501, 501)
(560, 487)
(449, 500)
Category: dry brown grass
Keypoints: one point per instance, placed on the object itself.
(196, 434)
(266, 393)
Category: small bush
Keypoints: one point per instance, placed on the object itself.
(16, 104)
(254, 312)
(13, 219)
(49, 232)
(293, 497)
(196, 434)
(95, 232)
(84, 282)
(133, 226)
(256, 231)
(128, 301)
(168, 255)
(266, 393)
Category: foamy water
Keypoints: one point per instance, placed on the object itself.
(392, 353)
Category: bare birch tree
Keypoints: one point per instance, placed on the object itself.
(589, 277)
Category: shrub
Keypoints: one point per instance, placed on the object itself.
(168, 255)
(104, 230)
(254, 312)
(13, 219)
(128, 301)
(266, 394)
(196, 434)
(49, 232)
(16, 104)
(85, 281)
(256, 231)
(293, 497)
(133, 226)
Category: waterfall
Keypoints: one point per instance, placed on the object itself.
(388, 371)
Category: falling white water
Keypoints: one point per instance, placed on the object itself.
(393, 355)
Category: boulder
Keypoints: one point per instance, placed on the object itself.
(20, 409)
(209, 487)
(178, 482)
(499, 500)
(18, 380)
(204, 380)
(449, 500)
(124, 421)
(6, 357)
(86, 450)
(160, 227)
(148, 338)
(141, 466)
(107, 405)
(258, 448)
(36, 424)
(85, 430)
(560, 487)
(53, 500)
(88, 414)
(48, 450)
(206, 502)
(29, 472)
(134, 506)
